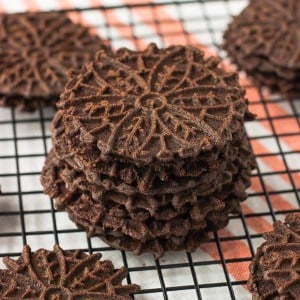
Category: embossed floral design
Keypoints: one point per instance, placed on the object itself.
(275, 271)
(269, 51)
(37, 50)
(62, 275)
(156, 103)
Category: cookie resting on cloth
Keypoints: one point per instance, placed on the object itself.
(62, 275)
(275, 270)
(153, 106)
(36, 52)
(269, 51)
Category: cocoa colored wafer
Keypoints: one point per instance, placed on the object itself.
(60, 274)
(36, 52)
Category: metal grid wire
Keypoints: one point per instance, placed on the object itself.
(28, 216)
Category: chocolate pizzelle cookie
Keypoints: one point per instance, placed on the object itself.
(36, 51)
(149, 150)
(154, 106)
(268, 51)
(62, 275)
(275, 270)
(151, 179)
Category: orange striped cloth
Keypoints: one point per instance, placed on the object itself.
(275, 135)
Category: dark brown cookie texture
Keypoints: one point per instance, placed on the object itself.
(149, 149)
(153, 179)
(62, 275)
(275, 270)
(139, 223)
(154, 105)
(268, 51)
(36, 51)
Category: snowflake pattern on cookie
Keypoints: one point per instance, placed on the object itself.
(37, 50)
(154, 104)
(62, 275)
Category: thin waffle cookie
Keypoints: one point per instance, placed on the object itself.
(62, 275)
(149, 149)
(269, 51)
(275, 270)
(36, 51)
(154, 105)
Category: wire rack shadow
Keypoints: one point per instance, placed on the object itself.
(219, 269)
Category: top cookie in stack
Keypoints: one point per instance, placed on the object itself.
(268, 50)
(149, 151)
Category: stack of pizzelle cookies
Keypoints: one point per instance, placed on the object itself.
(149, 149)
(268, 51)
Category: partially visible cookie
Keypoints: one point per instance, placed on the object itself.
(62, 275)
(36, 51)
(268, 51)
(275, 270)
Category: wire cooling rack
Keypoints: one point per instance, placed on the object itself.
(219, 269)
